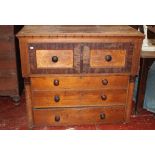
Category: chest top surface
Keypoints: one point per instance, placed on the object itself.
(78, 30)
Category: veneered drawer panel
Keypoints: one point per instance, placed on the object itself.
(77, 116)
(78, 98)
(107, 58)
(54, 58)
(97, 82)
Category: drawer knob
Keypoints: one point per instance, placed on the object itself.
(56, 82)
(56, 98)
(57, 118)
(104, 97)
(55, 59)
(102, 116)
(105, 82)
(108, 58)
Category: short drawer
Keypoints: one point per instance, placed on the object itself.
(54, 58)
(105, 97)
(78, 116)
(107, 58)
(97, 82)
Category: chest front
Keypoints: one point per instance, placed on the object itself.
(78, 78)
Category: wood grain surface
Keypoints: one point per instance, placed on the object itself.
(77, 30)
(45, 83)
(93, 90)
(77, 116)
(98, 58)
(43, 99)
(44, 58)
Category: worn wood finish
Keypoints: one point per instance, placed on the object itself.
(83, 57)
(68, 58)
(75, 116)
(79, 98)
(93, 67)
(98, 58)
(28, 103)
(11, 82)
(129, 101)
(113, 82)
(64, 58)
(24, 42)
(80, 30)
(92, 90)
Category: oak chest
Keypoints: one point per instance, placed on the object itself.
(79, 74)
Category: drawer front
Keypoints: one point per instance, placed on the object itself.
(73, 58)
(77, 116)
(78, 98)
(107, 58)
(97, 82)
(54, 58)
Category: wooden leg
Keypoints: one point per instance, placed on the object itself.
(129, 99)
(145, 64)
(28, 104)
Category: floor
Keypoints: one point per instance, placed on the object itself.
(13, 117)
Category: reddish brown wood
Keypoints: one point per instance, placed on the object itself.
(129, 105)
(28, 102)
(90, 82)
(79, 30)
(86, 93)
(75, 116)
(11, 83)
(68, 55)
(76, 98)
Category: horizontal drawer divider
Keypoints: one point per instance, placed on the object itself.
(81, 90)
(72, 107)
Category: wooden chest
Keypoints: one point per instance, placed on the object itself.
(11, 83)
(79, 74)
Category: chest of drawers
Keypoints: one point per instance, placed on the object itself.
(79, 74)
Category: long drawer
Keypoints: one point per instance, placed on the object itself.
(105, 97)
(74, 116)
(91, 82)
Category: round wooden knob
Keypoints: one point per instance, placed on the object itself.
(56, 82)
(55, 59)
(108, 58)
(56, 98)
(103, 97)
(105, 82)
(102, 116)
(57, 118)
